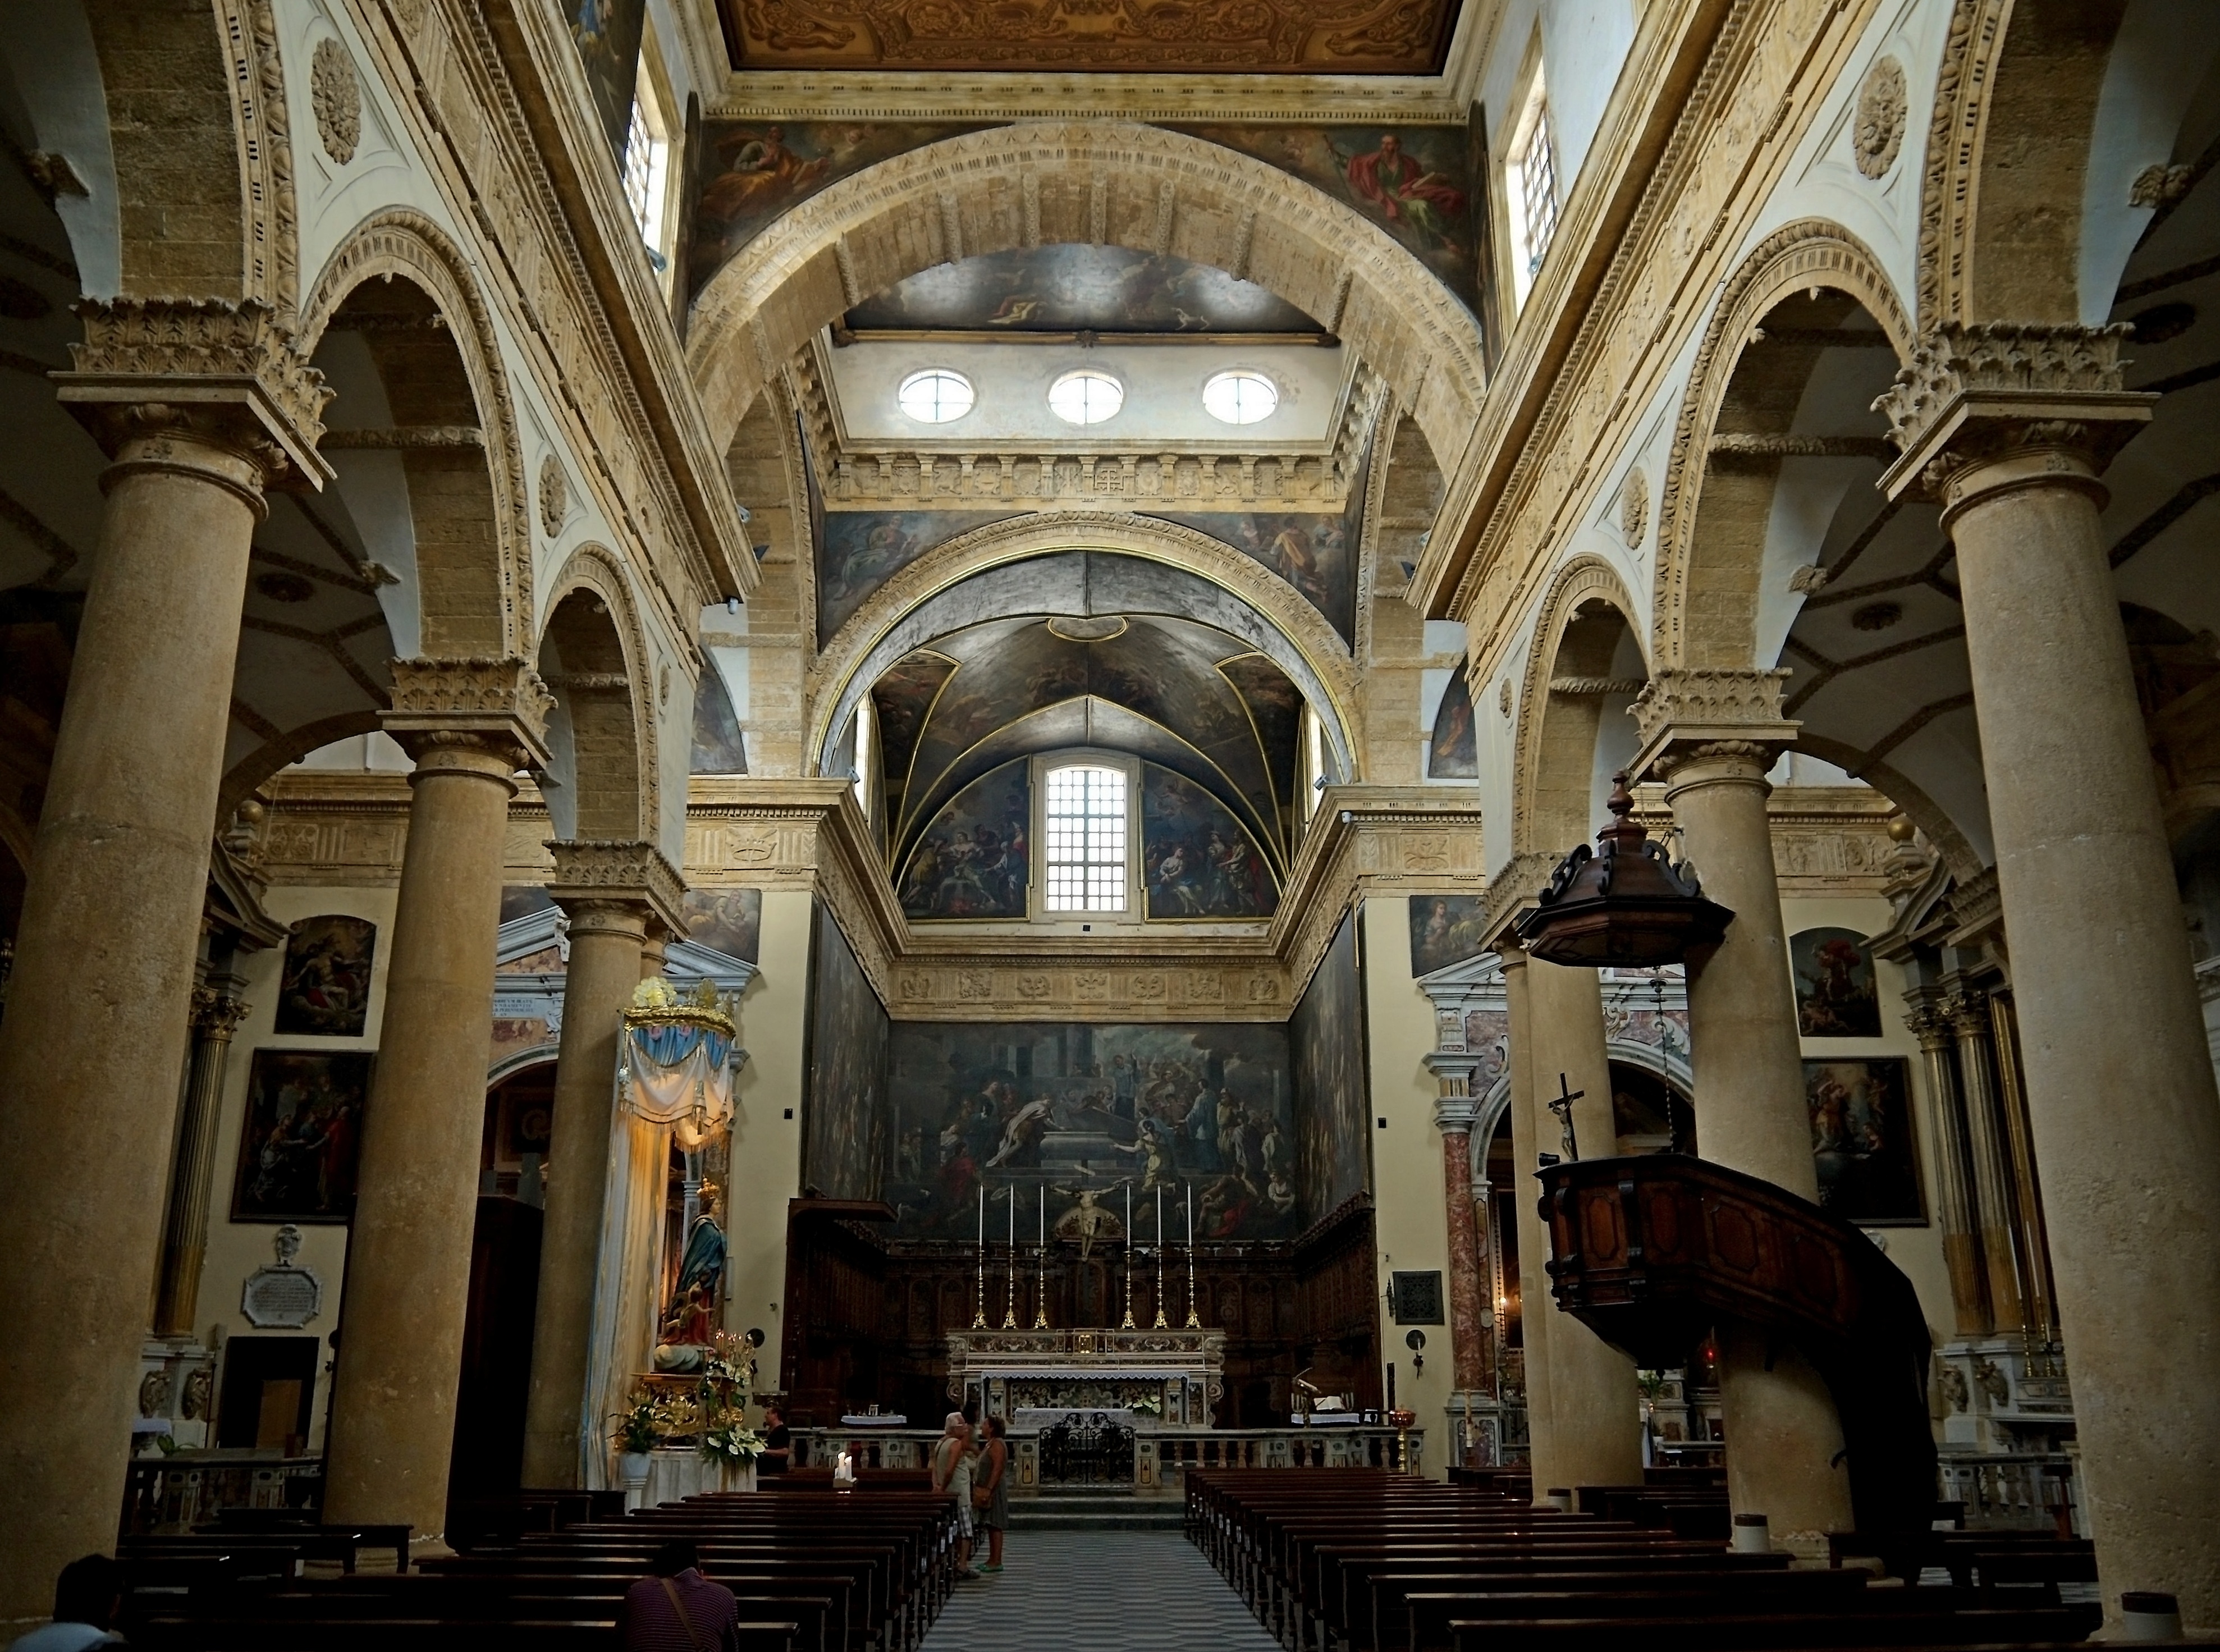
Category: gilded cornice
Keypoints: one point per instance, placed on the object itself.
(504, 124)
(1709, 108)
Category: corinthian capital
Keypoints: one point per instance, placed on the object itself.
(634, 876)
(207, 370)
(1686, 713)
(499, 703)
(1975, 394)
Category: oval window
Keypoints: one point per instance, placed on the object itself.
(1240, 397)
(1086, 397)
(935, 396)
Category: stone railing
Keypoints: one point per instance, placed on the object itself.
(1160, 1455)
(2038, 1490)
(188, 1488)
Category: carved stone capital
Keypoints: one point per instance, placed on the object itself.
(217, 1014)
(1455, 1115)
(1968, 1013)
(1686, 716)
(499, 705)
(628, 878)
(2038, 405)
(1510, 892)
(157, 378)
(1931, 1026)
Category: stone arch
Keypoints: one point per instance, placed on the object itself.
(1555, 739)
(464, 499)
(203, 154)
(1705, 601)
(1316, 659)
(1101, 181)
(2008, 146)
(605, 685)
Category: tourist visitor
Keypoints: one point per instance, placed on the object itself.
(952, 1464)
(777, 1454)
(87, 1596)
(675, 1608)
(991, 1496)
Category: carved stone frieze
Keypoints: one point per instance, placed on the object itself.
(1975, 394)
(270, 248)
(228, 372)
(335, 96)
(630, 873)
(1513, 889)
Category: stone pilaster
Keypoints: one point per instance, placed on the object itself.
(616, 895)
(2010, 426)
(1993, 1203)
(201, 408)
(470, 725)
(1454, 1114)
(1535, 1312)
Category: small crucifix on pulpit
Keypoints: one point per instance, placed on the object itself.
(1563, 1107)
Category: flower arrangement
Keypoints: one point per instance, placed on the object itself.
(638, 1425)
(732, 1441)
(1149, 1405)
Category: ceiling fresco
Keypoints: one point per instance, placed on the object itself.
(1453, 747)
(973, 862)
(858, 551)
(1403, 37)
(1074, 288)
(1196, 859)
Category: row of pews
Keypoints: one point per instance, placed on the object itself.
(813, 1571)
(1364, 1561)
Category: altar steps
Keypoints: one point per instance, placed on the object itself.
(1094, 1508)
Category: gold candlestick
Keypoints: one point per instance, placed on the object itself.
(1162, 1323)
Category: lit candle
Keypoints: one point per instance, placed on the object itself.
(1044, 1225)
(1013, 1220)
(1160, 1216)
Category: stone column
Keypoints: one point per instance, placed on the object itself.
(469, 725)
(216, 1014)
(1454, 1116)
(616, 895)
(1535, 1308)
(1713, 735)
(2034, 1243)
(1596, 1404)
(1954, 1182)
(1968, 1012)
(2010, 426)
(201, 406)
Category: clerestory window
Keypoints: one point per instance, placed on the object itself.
(1532, 171)
(1083, 829)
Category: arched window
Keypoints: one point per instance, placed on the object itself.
(1083, 829)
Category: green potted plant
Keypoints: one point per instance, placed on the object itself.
(637, 1435)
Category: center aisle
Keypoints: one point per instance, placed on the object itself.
(1100, 1592)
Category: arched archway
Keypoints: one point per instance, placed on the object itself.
(1115, 182)
(593, 656)
(1584, 670)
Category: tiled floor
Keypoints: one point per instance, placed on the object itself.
(1109, 1591)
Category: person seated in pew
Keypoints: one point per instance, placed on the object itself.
(676, 1609)
(87, 1596)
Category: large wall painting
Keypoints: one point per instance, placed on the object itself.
(859, 550)
(1079, 1115)
(1453, 748)
(1835, 994)
(1196, 861)
(719, 747)
(325, 988)
(1445, 929)
(298, 1148)
(1861, 1140)
(1071, 287)
(1415, 182)
(844, 1118)
(1325, 1041)
(754, 172)
(1317, 553)
(607, 35)
(724, 920)
(973, 860)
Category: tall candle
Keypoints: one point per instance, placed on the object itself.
(1014, 1220)
(1160, 1216)
(983, 1218)
(1190, 1216)
(1044, 1225)
(1129, 1215)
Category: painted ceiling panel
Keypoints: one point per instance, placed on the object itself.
(1077, 288)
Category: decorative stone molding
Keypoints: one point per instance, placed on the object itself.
(229, 373)
(1964, 81)
(1634, 508)
(631, 874)
(1512, 889)
(1583, 579)
(499, 702)
(217, 1014)
(270, 244)
(554, 497)
(1879, 131)
(1684, 713)
(1975, 394)
(335, 96)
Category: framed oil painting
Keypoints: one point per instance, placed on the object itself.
(1836, 997)
(298, 1149)
(1445, 929)
(324, 990)
(1861, 1140)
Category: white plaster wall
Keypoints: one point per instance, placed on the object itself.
(1584, 46)
(767, 1128)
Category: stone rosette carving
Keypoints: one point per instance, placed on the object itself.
(492, 699)
(229, 371)
(1634, 508)
(1973, 391)
(335, 96)
(1685, 709)
(554, 497)
(1878, 133)
(633, 874)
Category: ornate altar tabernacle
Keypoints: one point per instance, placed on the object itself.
(1170, 1377)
